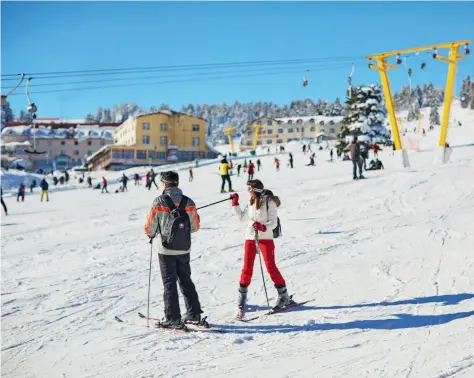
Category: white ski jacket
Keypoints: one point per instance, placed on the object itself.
(251, 214)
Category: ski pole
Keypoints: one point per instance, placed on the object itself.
(261, 266)
(149, 286)
(214, 203)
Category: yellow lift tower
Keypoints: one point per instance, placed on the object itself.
(255, 136)
(228, 132)
(383, 67)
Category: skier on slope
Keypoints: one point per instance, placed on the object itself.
(104, 185)
(3, 203)
(261, 217)
(356, 158)
(124, 181)
(251, 170)
(174, 252)
(224, 169)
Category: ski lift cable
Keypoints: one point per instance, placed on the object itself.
(179, 67)
(253, 69)
(199, 78)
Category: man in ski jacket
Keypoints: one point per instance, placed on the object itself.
(21, 193)
(224, 168)
(124, 182)
(356, 158)
(260, 216)
(174, 265)
(44, 190)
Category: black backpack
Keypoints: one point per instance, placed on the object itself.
(178, 229)
(277, 230)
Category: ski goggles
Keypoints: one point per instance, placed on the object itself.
(256, 190)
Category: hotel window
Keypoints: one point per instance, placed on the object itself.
(146, 126)
(332, 130)
(141, 154)
(50, 142)
(269, 123)
(89, 142)
(290, 130)
(280, 131)
(269, 132)
(146, 139)
(164, 127)
(76, 143)
(313, 128)
(76, 152)
(269, 141)
(196, 127)
(63, 142)
(196, 141)
(164, 141)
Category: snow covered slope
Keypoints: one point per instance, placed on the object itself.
(387, 261)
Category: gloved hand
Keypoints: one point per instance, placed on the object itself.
(259, 227)
(235, 199)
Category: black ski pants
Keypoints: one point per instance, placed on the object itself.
(224, 179)
(355, 164)
(176, 268)
(4, 206)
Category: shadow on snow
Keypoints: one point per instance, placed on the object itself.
(398, 321)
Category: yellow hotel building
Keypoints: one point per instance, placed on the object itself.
(157, 138)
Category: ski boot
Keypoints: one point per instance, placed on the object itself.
(355, 178)
(195, 319)
(241, 302)
(283, 300)
(173, 324)
(222, 190)
(361, 177)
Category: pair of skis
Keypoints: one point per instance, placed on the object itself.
(241, 314)
(203, 325)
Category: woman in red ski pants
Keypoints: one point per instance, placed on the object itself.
(261, 218)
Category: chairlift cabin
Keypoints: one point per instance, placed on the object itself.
(32, 109)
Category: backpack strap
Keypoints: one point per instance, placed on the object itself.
(169, 202)
(183, 203)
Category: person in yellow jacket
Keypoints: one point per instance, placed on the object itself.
(224, 168)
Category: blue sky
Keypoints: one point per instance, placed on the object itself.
(65, 36)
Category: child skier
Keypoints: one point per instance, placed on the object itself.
(21, 193)
(261, 217)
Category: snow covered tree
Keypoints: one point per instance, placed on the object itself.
(434, 108)
(90, 118)
(366, 113)
(466, 94)
(24, 116)
(7, 114)
(472, 97)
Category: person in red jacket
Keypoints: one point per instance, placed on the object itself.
(375, 147)
(104, 185)
(251, 170)
(261, 218)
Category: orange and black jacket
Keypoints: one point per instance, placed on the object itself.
(160, 212)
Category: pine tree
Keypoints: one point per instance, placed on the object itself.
(366, 113)
(89, 118)
(466, 92)
(434, 106)
(472, 95)
(7, 114)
